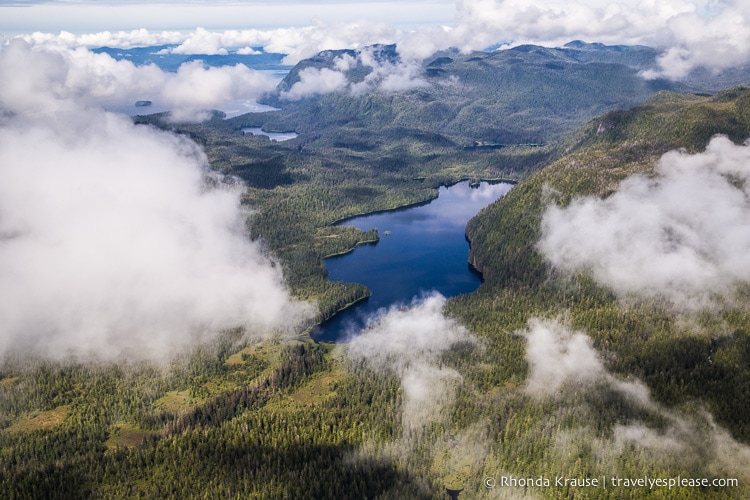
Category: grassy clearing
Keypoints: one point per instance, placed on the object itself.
(126, 435)
(238, 358)
(41, 420)
(175, 402)
(318, 389)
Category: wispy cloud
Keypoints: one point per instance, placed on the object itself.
(409, 341)
(560, 358)
(682, 235)
(115, 239)
(314, 81)
(384, 74)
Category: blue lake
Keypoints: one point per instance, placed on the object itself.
(421, 249)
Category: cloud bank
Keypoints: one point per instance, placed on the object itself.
(682, 235)
(38, 79)
(115, 240)
(695, 33)
(691, 33)
(296, 42)
(410, 341)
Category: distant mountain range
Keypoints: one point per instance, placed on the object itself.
(523, 95)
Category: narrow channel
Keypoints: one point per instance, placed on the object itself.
(421, 249)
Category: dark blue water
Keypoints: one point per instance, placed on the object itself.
(425, 249)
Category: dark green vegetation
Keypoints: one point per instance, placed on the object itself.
(524, 95)
(302, 188)
(682, 370)
(375, 151)
(275, 421)
(294, 419)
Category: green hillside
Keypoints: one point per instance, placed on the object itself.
(687, 359)
(527, 94)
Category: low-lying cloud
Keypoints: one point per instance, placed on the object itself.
(315, 81)
(711, 34)
(115, 239)
(38, 79)
(682, 235)
(296, 43)
(383, 75)
(558, 357)
(410, 341)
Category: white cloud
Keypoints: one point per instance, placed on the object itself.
(384, 76)
(682, 235)
(390, 76)
(690, 39)
(410, 341)
(315, 81)
(113, 242)
(344, 62)
(248, 51)
(485, 22)
(691, 33)
(39, 78)
(119, 39)
(296, 42)
(198, 87)
(557, 356)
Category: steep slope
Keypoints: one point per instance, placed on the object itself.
(603, 153)
(683, 353)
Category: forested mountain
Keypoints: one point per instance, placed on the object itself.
(526, 94)
(550, 371)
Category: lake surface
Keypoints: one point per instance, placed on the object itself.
(274, 136)
(421, 249)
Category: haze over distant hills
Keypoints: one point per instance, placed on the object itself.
(166, 59)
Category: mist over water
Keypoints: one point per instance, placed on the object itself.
(421, 249)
